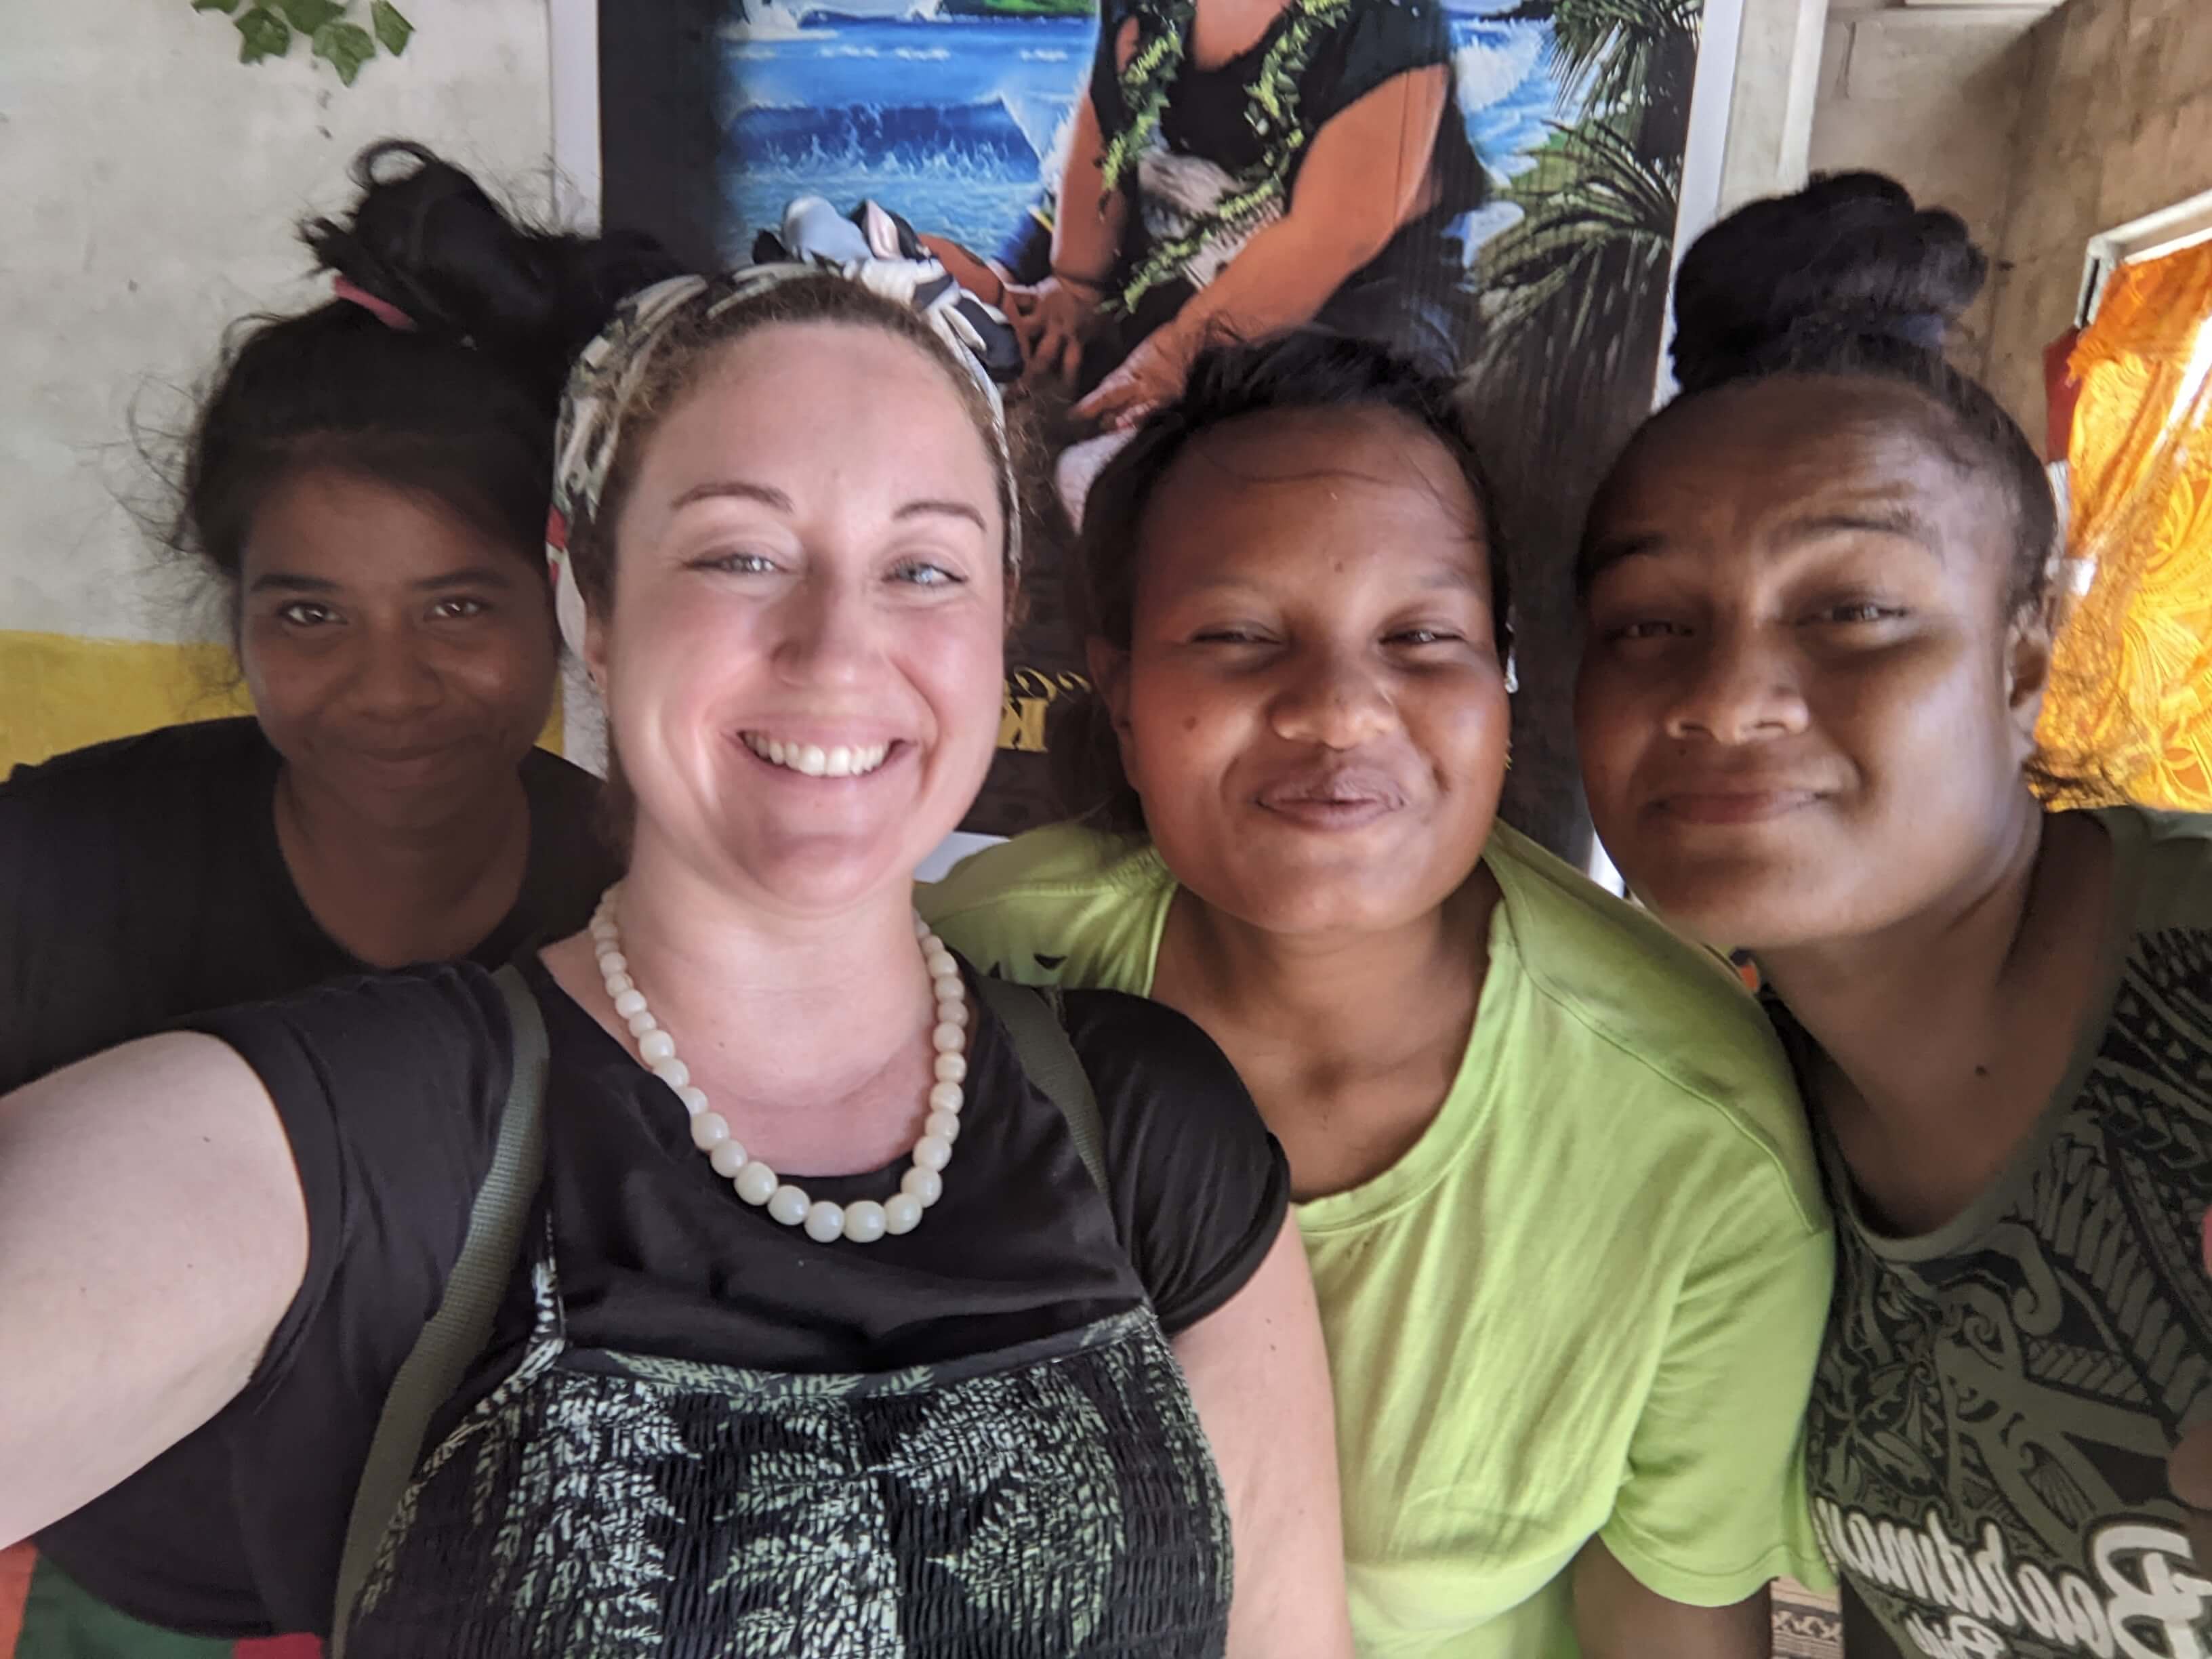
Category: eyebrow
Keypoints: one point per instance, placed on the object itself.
(1454, 577)
(768, 496)
(1875, 520)
(1599, 556)
(1443, 578)
(1899, 521)
(476, 576)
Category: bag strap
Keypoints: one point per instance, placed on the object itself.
(1037, 1019)
(457, 1332)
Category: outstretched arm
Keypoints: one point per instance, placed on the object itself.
(1260, 1377)
(152, 1235)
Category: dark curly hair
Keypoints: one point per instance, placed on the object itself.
(461, 407)
(1848, 276)
(1309, 369)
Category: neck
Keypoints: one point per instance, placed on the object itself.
(775, 1005)
(425, 888)
(1947, 975)
(1361, 1000)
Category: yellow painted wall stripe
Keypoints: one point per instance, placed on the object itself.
(58, 693)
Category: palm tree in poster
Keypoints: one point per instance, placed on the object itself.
(1573, 293)
(1571, 298)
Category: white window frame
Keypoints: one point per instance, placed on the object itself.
(2151, 237)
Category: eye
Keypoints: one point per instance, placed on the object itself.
(736, 564)
(1649, 627)
(306, 613)
(923, 573)
(1419, 636)
(1234, 633)
(1859, 612)
(458, 609)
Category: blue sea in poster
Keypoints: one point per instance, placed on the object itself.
(950, 120)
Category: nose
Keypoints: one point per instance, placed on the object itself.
(393, 680)
(828, 636)
(1740, 688)
(1337, 700)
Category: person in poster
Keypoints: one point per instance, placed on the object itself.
(1244, 168)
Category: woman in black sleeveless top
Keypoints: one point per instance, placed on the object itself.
(942, 1393)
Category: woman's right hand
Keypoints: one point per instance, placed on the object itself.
(1051, 319)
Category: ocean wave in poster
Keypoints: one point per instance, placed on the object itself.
(981, 137)
(953, 123)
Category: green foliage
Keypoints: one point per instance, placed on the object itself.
(1573, 295)
(266, 28)
(391, 29)
(1632, 50)
(309, 15)
(345, 47)
(262, 34)
(1598, 193)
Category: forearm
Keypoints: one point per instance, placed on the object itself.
(1259, 1378)
(1086, 224)
(1618, 1617)
(1281, 279)
(1863, 1636)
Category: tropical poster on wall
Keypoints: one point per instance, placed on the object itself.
(1490, 185)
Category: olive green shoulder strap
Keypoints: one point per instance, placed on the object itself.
(1034, 1019)
(457, 1332)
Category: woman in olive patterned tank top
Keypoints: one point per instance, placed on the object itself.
(1817, 595)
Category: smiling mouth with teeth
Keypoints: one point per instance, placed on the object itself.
(814, 761)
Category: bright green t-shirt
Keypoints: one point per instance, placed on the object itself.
(1586, 1304)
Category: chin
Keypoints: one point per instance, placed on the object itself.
(827, 873)
(1741, 911)
(1312, 903)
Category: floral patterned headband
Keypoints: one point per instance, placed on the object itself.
(606, 377)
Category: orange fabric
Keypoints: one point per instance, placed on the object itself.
(2129, 714)
(16, 1564)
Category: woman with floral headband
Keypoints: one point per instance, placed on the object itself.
(837, 1301)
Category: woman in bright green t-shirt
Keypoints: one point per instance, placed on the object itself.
(1554, 1185)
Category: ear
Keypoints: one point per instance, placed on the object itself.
(2028, 672)
(1110, 677)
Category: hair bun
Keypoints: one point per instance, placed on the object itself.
(428, 239)
(1849, 255)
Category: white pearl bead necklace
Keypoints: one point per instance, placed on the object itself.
(863, 1222)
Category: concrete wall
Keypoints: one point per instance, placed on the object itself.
(2115, 122)
(1772, 103)
(1932, 97)
(2041, 126)
(148, 184)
